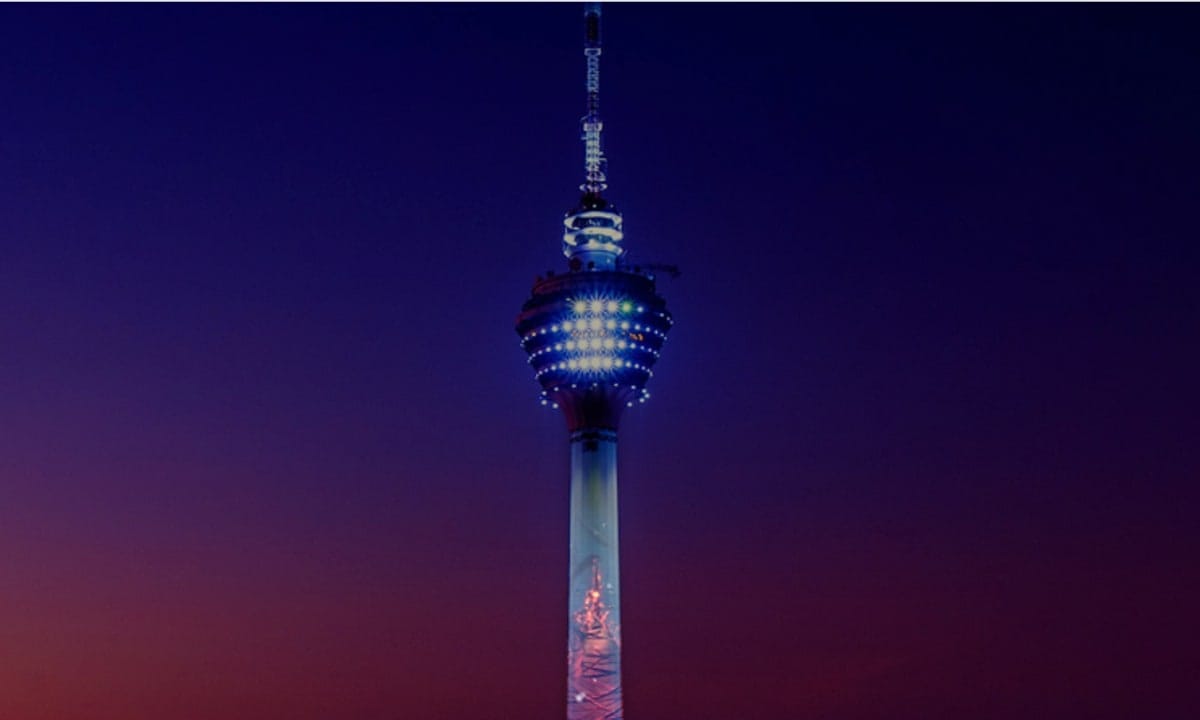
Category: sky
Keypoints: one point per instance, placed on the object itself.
(922, 442)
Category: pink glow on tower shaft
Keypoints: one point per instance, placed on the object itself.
(594, 616)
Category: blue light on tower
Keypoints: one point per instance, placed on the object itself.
(593, 335)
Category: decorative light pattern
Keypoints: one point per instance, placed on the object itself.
(601, 331)
(596, 337)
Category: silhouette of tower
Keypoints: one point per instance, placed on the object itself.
(593, 334)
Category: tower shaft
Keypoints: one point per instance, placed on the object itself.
(594, 604)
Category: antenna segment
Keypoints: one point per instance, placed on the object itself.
(593, 162)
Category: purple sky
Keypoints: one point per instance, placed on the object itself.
(923, 441)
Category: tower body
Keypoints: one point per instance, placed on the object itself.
(593, 335)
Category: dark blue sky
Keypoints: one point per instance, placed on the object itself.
(922, 442)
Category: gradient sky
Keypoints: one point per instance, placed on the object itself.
(923, 441)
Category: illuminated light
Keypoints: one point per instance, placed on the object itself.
(611, 324)
(626, 306)
(597, 306)
(568, 326)
(585, 344)
(619, 362)
(553, 328)
(621, 344)
(580, 306)
(641, 309)
(558, 346)
(595, 323)
(637, 326)
(608, 344)
(570, 344)
(607, 362)
(625, 325)
(571, 364)
(612, 306)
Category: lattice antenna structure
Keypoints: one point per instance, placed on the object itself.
(596, 180)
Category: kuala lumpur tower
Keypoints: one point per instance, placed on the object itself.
(593, 333)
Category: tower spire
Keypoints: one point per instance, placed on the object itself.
(594, 164)
(592, 239)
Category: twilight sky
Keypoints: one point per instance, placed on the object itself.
(923, 441)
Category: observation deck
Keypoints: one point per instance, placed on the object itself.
(593, 337)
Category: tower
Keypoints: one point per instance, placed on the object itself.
(593, 333)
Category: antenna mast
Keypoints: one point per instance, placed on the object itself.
(593, 162)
